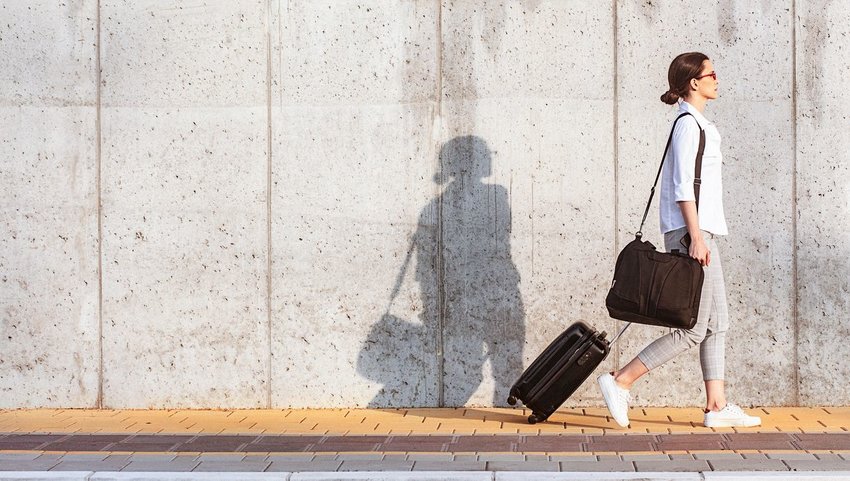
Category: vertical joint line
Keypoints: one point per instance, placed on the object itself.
(441, 298)
(794, 278)
(269, 201)
(439, 29)
(98, 161)
(616, 150)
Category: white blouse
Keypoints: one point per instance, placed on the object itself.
(677, 175)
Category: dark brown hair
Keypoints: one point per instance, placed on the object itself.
(682, 69)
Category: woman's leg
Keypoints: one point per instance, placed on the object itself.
(630, 373)
(715, 395)
(712, 352)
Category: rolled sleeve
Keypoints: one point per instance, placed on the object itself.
(684, 150)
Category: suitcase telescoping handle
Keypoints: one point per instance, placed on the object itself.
(619, 333)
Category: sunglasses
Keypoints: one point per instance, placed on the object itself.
(712, 75)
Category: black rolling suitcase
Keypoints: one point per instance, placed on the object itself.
(560, 369)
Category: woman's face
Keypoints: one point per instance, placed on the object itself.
(706, 84)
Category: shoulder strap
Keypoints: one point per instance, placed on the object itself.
(697, 169)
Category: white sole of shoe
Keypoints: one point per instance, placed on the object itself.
(608, 389)
(738, 423)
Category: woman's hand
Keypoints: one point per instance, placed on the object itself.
(699, 251)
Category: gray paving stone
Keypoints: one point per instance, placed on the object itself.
(231, 466)
(76, 456)
(609, 457)
(58, 457)
(185, 456)
(615, 476)
(501, 457)
(47, 476)
(828, 457)
(390, 476)
(606, 466)
(115, 457)
(395, 457)
(776, 476)
(672, 466)
(466, 457)
(33, 465)
(818, 465)
(646, 457)
(682, 457)
(747, 465)
(529, 466)
(325, 456)
(295, 466)
(792, 456)
(449, 466)
(430, 457)
(230, 457)
(90, 465)
(575, 457)
(141, 457)
(376, 466)
(176, 465)
(290, 456)
(754, 455)
(537, 457)
(718, 456)
(18, 456)
(362, 457)
(224, 476)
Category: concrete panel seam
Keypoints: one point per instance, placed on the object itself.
(269, 200)
(616, 147)
(794, 277)
(439, 73)
(441, 298)
(98, 142)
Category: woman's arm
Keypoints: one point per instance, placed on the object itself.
(685, 146)
(698, 250)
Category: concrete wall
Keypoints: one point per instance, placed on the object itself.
(398, 203)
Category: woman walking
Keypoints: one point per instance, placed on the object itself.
(693, 83)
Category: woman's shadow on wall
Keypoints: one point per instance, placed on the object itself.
(472, 310)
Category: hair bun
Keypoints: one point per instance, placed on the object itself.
(670, 97)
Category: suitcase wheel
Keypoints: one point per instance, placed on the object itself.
(535, 418)
(512, 400)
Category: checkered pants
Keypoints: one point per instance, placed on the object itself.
(712, 319)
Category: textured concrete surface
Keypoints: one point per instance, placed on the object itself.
(48, 219)
(527, 220)
(335, 203)
(184, 173)
(352, 181)
(823, 201)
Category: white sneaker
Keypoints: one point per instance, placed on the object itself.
(616, 398)
(730, 416)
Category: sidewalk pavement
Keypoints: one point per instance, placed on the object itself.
(422, 444)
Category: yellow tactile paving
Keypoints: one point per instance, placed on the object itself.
(406, 421)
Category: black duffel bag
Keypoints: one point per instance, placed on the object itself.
(658, 288)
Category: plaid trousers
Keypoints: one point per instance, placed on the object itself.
(712, 319)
